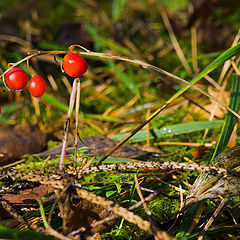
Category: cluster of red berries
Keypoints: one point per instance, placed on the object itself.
(17, 79)
(74, 65)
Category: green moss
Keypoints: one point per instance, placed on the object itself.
(163, 208)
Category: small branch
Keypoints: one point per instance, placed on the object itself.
(213, 217)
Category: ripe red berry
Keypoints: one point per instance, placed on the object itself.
(37, 86)
(16, 79)
(74, 65)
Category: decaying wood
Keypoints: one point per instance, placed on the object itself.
(209, 186)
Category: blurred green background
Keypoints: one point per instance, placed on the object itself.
(131, 28)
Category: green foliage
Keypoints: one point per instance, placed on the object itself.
(6, 233)
(167, 131)
(163, 208)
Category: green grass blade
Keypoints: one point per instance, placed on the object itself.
(230, 119)
(171, 130)
(55, 102)
(229, 123)
(206, 56)
(117, 8)
(188, 220)
(215, 232)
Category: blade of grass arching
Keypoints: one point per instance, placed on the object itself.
(213, 65)
(229, 123)
(167, 131)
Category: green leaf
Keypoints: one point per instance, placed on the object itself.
(118, 186)
(171, 130)
(110, 193)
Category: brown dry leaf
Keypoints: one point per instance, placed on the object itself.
(220, 112)
(85, 213)
(15, 141)
(198, 152)
(99, 146)
(28, 196)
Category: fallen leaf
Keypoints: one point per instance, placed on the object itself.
(15, 141)
(98, 146)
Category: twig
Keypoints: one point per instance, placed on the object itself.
(213, 217)
(117, 209)
(158, 234)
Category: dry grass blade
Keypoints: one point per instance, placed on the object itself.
(176, 44)
(227, 64)
(158, 234)
(213, 217)
(66, 126)
(194, 48)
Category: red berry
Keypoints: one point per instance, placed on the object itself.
(16, 79)
(37, 86)
(74, 65)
